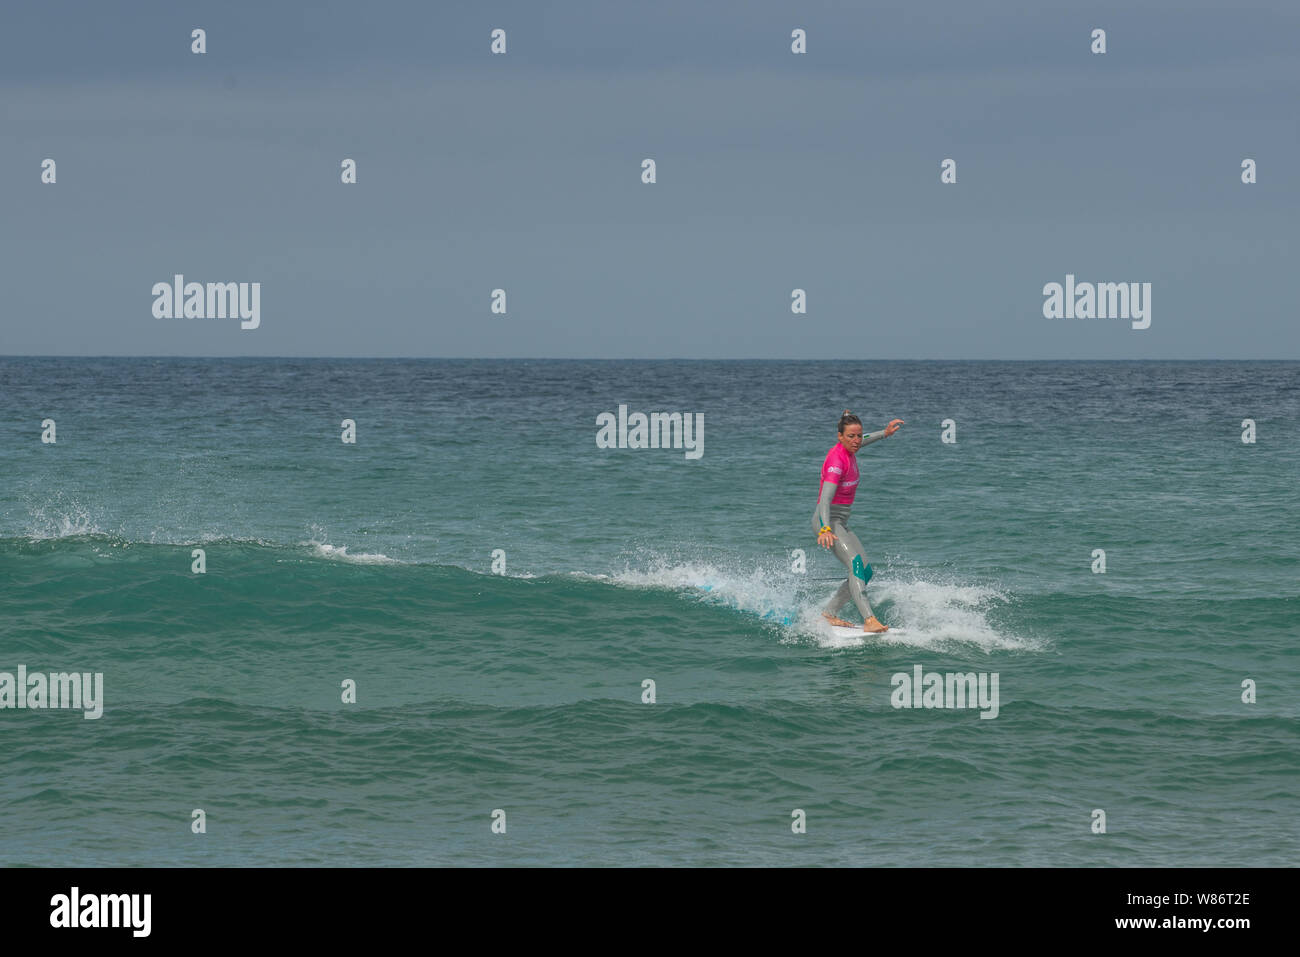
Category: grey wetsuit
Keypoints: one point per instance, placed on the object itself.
(847, 548)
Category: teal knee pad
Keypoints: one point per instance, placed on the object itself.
(860, 570)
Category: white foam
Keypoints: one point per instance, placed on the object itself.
(340, 553)
(762, 592)
(931, 613)
(60, 520)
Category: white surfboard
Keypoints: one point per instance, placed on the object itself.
(839, 631)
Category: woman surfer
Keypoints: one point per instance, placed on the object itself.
(838, 485)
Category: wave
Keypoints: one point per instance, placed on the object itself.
(74, 522)
(926, 611)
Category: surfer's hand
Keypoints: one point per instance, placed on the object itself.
(892, 427)
(825, 539)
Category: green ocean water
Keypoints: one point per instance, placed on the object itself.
(523, 691)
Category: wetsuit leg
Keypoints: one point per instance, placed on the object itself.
(849, 551)
(838, 600)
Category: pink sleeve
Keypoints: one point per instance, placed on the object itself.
(833, 467)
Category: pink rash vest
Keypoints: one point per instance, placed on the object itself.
(841, 468)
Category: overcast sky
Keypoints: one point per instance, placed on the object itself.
(775, 171)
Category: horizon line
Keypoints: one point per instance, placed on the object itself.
(20, 355)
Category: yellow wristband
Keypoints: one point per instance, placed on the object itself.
(825, 529)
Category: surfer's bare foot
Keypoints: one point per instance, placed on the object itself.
(837, 621)
(874, 626)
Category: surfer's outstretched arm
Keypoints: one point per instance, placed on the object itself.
(884, 433)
